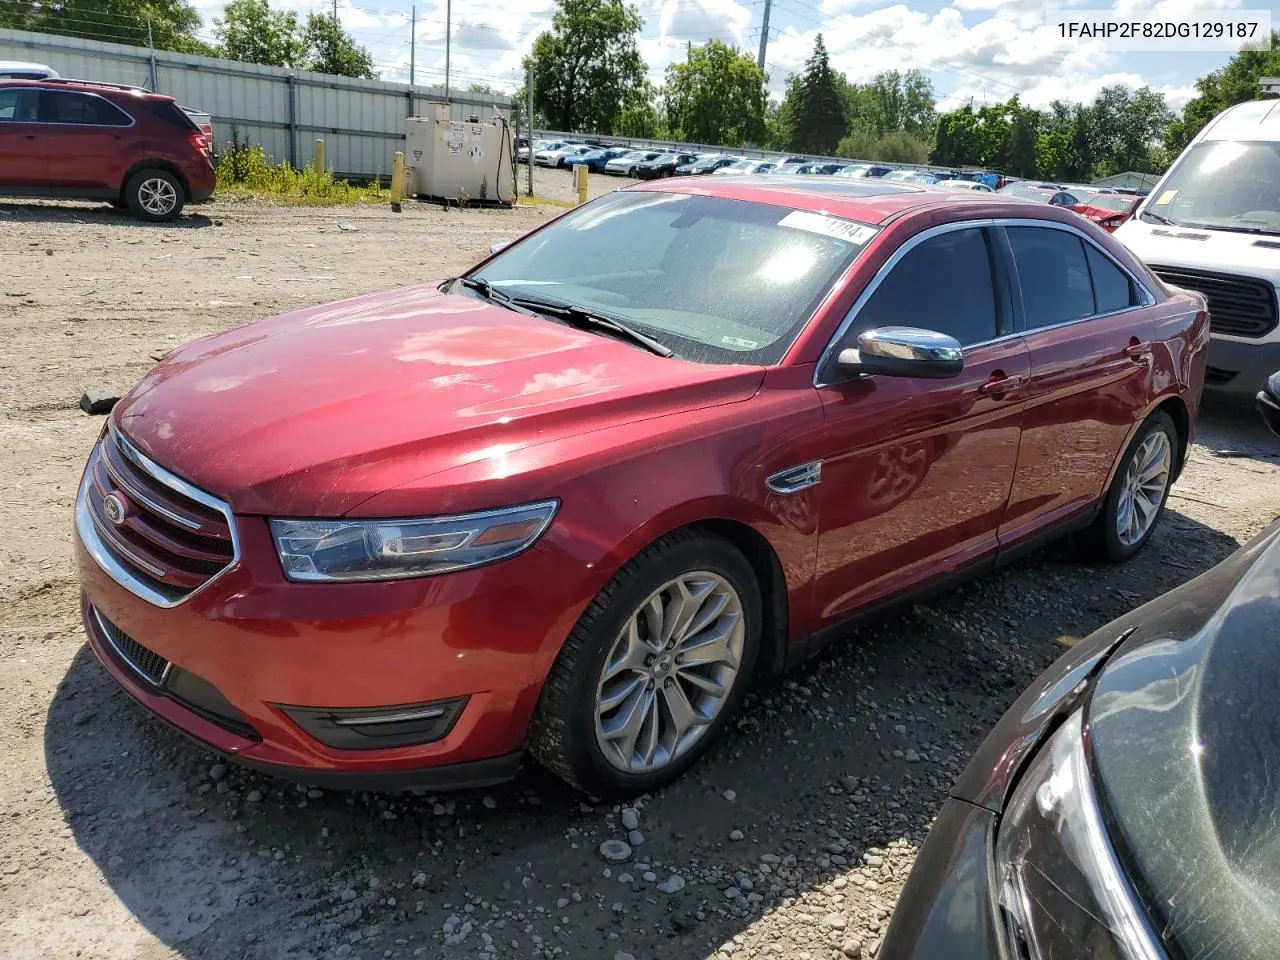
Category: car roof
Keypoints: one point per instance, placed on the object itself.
(100, 87)
(866, 201)
(1255, 120)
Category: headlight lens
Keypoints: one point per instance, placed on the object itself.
(1061, 890)
(329, 550)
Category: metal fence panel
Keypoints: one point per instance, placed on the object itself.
(361, 121)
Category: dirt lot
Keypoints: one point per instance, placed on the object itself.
(120, 839)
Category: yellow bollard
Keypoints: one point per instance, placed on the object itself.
(580, 176)
(318, 162)
(397, 181)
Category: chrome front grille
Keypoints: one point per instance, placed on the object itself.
(155, 533)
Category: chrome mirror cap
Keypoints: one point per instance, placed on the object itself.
(904, 352)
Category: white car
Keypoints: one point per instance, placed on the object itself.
(746, 167)
(555, 157)
(626, 164)
(1212, 224)
(21, 70)
(964, 185)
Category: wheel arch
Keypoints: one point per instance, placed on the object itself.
(153, 164)
(1177, 410)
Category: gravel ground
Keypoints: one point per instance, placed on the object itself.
(120, 839)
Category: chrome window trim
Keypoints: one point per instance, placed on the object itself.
(1147, 297)
(118, 572)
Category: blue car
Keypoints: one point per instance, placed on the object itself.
(596, 159)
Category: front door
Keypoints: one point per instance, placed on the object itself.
(1090, 339)
(917, 472)
(23, 160)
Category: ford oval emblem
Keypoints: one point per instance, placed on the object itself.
(115, 508)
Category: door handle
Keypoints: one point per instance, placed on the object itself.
(1138, 350)
(999, 384)
(31, 136)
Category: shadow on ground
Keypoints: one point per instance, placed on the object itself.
(99, 213)
(220, 862)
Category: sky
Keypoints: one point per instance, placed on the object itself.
(982, 51)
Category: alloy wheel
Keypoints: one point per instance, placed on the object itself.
(669, 672)
(157, 196)
(1145, 482)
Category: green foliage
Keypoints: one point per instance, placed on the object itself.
(1237, 82)
(330, 49)
(587, 66)
(246, 168)
(896, 146)
(250, 31)
(173, 23)
(640, 118)
(1121, 130)
(891, 101)
(814, 112)
(717, 95)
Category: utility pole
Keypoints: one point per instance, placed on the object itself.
(764, 34)
(528, 99)
(413, 39)
(448, 21)
(335, 12)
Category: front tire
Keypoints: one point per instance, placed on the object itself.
(654, 669)
(1136, 499)
(155, 196)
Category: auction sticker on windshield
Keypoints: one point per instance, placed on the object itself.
(847, 230)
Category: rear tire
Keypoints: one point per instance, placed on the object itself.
(632, 655)
(1138, 493)
(154, 195)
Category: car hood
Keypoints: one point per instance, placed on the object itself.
(1224, 251)
(1185, 736)
(314, 412)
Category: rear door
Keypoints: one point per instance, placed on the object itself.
(916, 473)
(23, 154)
(1086, 323)
(89, 139)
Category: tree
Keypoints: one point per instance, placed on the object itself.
(717, 95)
(173, 23)
(250, 31)
(896, 146)
(330, 49)
(587, 66)
(1237, 82)
(815, 105)
(640, 117)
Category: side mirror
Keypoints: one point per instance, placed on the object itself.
(904, 352)
(499, 246)
(1269, 403)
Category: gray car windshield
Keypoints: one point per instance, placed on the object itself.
(1223, 185)
(715, 280)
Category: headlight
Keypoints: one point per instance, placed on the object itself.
(327, 550)
(1060, 888)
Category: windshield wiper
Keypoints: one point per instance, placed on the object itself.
(1148, 215)
(589, 319)
(478, 284)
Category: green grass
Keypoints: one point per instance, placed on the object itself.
(246, 170)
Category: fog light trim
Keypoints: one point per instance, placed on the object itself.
(377, 728)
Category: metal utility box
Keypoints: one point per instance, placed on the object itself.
(445, 159)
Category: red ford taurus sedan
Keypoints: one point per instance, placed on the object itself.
(572, 503)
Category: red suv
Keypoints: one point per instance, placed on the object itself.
(95, 141)
(573, 502)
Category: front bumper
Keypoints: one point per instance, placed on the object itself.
(266, 645)
(946, 908)
(1239, 367)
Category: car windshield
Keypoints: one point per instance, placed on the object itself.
(1111, 201)
(713, 279)
(1224, 185)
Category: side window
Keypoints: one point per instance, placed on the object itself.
(1053, 275)
(945, 284)
(81, 108)
(17, 106)
(1112, 288)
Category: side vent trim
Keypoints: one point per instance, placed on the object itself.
(795, 479)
